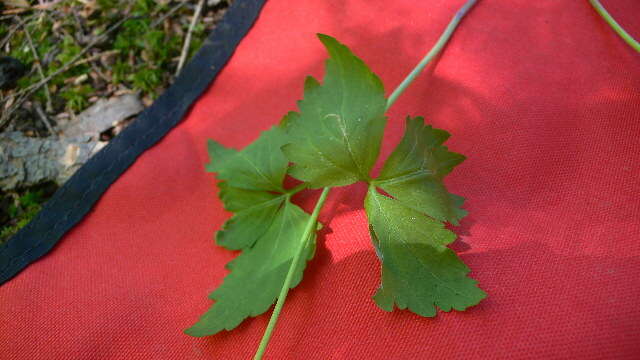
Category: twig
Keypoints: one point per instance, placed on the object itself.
(44, 118)
(187, 40)
(77, 20)
(38, 64)
(71, 63)
(47, 6)
(13, 28)
(96, 69)
(8, 37)
(168, 13)
(96, 57)
(9, 107)
(15, 11)
(24, 94)
(27, 92)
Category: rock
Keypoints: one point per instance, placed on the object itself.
(11, 70)
(104, 114)
(26, 161)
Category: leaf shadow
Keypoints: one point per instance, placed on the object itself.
(524, 276)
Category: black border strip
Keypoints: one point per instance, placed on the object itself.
(76, 198)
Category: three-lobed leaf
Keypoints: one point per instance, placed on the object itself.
(335, 138)
(419, 271)
(266, 226)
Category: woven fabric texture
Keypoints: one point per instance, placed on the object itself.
(543, 98)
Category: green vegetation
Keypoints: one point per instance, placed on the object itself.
(90, 50)
(18, 208)
(140, 54)
(334, 140)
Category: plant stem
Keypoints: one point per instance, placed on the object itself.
(614, 24)
(311, 224)
(435, 50)
(314, 216)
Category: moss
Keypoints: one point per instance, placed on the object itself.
(155, 47)
(76, 97)
(69, 51)
(22, 208)
(106, 5)
(4, 30)
(120, 72)
(131, 35)
(145, 7)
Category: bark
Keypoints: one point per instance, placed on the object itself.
(26, 161)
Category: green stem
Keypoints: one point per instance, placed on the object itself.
(311, 225)
(435, 50)
(614, 24)
(314, 216)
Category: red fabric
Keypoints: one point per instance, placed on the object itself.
(541, 96)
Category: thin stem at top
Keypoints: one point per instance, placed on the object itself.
(614, 24)
(435, 50)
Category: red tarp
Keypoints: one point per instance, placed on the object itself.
(541, 96)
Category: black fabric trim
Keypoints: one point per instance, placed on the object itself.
(73, 201)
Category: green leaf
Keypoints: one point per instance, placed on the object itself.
(419, 272)
(335, 138)
(413, 172)
(254, 214)
(260, 166)
(257, 275)
(266, 226)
